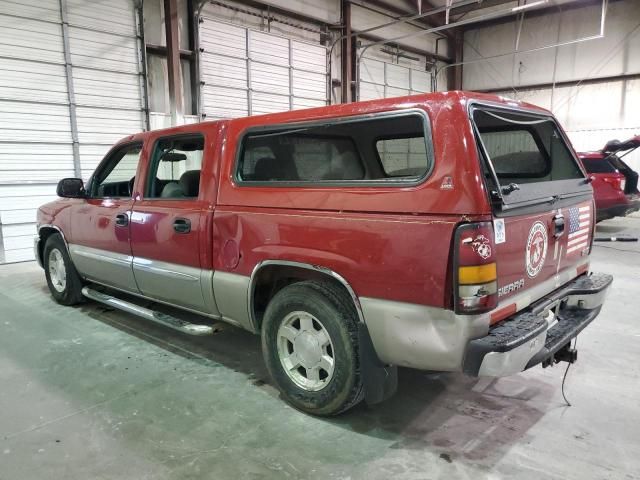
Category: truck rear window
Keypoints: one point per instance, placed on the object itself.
(525, 156)
(523, 149)
(382, 148)
(597, 165)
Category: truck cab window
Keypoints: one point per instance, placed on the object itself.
(115, 177)
(176, 164)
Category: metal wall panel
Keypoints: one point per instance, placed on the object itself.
(17, 218)
(36, 109)
(40, 162)
(380, 79)
(35, 136)
(249, 72)
(43, 10)
(32, 81)
(106, 75)
(114, 16)
(30, 39)
(614, 101)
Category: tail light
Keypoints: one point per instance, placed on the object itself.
(616, 182)
(475, 273)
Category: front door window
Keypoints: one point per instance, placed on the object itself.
(116, 176)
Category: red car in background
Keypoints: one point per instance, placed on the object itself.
(615, 184)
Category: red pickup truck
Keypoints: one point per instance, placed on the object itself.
(445, 231)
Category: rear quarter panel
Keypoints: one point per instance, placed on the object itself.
(397, 257)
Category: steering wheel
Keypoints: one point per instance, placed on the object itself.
(131, 182)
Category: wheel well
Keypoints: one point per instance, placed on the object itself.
(270, 279)
(44, 233)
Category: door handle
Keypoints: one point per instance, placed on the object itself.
(182, 225)
(558, 225)
(122, 220)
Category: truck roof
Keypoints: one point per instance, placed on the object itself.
(345, 109)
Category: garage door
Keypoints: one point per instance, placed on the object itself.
(35, 137)
(379, 79)
(36, 143)
(107, 77)
(248, 72)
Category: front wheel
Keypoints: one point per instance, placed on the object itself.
(62, 278)
(310, 346)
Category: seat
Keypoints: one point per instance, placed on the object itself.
(190, 183)
(345, 166)
(268, 168)
(172, 190)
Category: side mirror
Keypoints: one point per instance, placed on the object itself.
(71, 188)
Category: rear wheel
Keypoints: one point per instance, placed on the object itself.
(62, 278)
(310, 346)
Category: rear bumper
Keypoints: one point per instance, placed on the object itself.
(534, 335)
(620, 210)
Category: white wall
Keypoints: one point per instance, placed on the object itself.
(592, 113)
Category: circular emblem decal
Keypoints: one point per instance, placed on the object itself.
(482, 246)
(536, 249)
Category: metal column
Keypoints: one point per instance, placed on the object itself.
(346, 54)
(72, 97)
(249, 88)
(142, 64)
(173, 61)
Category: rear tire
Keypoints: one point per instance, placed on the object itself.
(310, 347)
(63, 279)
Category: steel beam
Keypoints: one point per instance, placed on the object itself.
(455, 82)
(346, 54)
(142, 64)
(173, 61)
(433, 20)
(73, 120)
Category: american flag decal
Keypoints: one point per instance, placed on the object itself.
(579, 228)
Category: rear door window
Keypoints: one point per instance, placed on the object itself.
(385, 148)
(176, 163)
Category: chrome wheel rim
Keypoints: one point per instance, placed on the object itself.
(306, 351)
(57, 270)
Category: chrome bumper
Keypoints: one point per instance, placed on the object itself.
(535, 335)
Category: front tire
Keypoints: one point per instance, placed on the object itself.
(63, 279)
(310, 347)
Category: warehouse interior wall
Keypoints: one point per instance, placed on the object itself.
(78, 75)
(70, 87)
(592, 87)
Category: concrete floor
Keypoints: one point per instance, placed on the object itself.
(87, 393)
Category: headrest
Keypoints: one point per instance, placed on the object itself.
(190, 183)
(172, 190)
(268, 168)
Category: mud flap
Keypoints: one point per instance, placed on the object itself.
(380, 380)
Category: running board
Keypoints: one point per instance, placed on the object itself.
(153, 315)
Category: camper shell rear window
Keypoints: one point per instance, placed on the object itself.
(525, 155)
